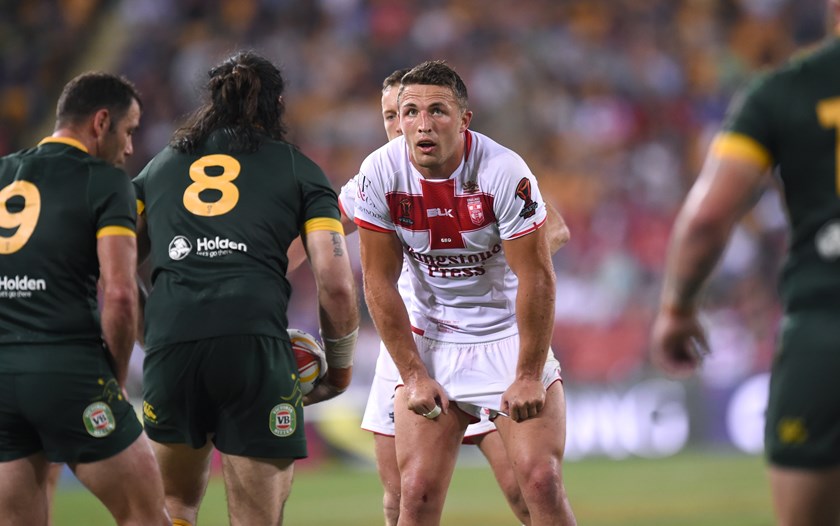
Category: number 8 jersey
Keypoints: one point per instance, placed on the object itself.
(220, 224)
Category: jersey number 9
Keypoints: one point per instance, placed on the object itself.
(23, 219)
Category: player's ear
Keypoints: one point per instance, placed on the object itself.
(466, 117)
(101, 122)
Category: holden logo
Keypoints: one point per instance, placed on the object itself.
(179, 247)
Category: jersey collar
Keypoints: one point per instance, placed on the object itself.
(64, 140)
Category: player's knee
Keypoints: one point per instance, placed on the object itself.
(542, 482)
(391, 508)
(391, 498)
(419, 490)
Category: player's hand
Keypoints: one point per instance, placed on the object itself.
(333, 384)
(678, 343)
(524, 399)
(423, 395)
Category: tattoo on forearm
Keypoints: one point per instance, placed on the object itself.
(338, 246)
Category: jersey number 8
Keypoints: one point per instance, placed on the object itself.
(222, 183)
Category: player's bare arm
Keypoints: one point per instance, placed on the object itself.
(118, 268)
(556, 230)
(725, 190)
(382, 259)
(528, 256)
(297, 252)
(338, 304)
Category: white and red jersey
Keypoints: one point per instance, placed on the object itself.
(347, 204)
(462, 289)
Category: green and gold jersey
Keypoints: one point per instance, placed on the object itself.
(220, 225)
(790, 120)
(55, 201)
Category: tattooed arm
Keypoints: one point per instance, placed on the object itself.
(337, 299)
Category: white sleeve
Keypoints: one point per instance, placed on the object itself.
(518, 203)
(372, 211)
(347, 198)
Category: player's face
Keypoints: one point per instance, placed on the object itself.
(116, 145)
(433, 125)
(390, 112)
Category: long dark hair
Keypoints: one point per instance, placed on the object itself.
(244, 98)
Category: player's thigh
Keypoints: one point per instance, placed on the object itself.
(537, 439)
(256, 488)
(185, 470)
(802, 430)
(384, 447)
(23, 495)
(114, 480)
(379, 419)
(807, 497)
(253, 385)
(427, 448)
(493, 449)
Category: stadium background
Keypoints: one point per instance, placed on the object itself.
(611, 102)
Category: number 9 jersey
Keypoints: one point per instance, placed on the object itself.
(220, 225)
(55, 201)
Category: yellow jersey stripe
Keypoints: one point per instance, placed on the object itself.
(323, 223)
(115, 231)
(741, 146)
(64, 140)
(141, 206)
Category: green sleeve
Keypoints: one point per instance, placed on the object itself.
(111, 198)
(317, 195)
(139, 184)
(753, 112)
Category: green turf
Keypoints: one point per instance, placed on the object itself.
(691, 489)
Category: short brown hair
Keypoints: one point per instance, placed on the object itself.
(437, 73)
(394, 78)
(92, 91)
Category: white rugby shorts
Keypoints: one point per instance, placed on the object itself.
(473, 374)
(379, 412)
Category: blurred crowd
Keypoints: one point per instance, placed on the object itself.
(611, 102)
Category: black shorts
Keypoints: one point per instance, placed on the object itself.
(243, 391)
(71, 416)
(803, 415)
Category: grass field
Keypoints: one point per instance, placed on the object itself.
(690, 489)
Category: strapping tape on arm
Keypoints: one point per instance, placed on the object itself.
(340, 350)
